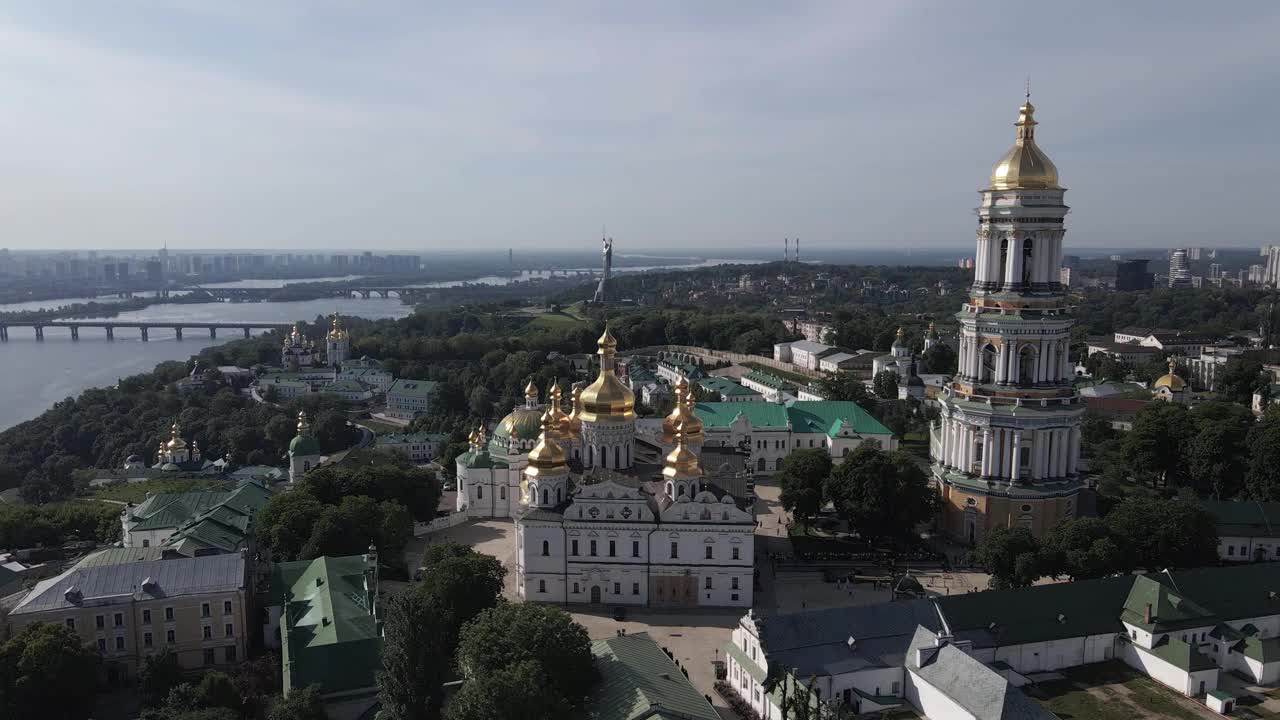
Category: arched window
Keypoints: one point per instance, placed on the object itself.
(546, 548)
(1027, 366)
(502, 492)
(306, 465)
(544, 497)
(1004, 257)
(479, 492)
(988, 364)
(604, 456)
(671, 489)
(679, 489)
(591, 455)
(1027, 253)
(760, 464)
(628, 454)
(617, 456)
(777, 464)
(557, 496)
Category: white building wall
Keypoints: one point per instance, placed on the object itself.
(1186, 683)
(1243, 549)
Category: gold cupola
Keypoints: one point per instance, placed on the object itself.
(574, 421)
(692, 423)
(1171, 379)
(336, 331)
(559, 425)
(607, 398)
(1025, 166)
(681, 463)
(531, 395)
(175, 439)
(547, 457)
(678, 413)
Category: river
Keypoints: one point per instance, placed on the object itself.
(38, 374)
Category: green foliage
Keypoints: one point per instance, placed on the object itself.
(1103, 366)
(301, 704)
(1082, 548)
(1263, 475)
(510, 634)
(885, 384)
(1239, 379)
(941, 358)
(417, 489)
(1158, 533)
(802, 479)
(881, 494)
(415, 657)
(847, 386)
(56, 523)
(137, 492)
(286, 522)
(1154, 447)
(159, 675)
(47, 671)
(462, 580)
(1011, 555)
(522, 690)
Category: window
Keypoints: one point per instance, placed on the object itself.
(613, 549)
(479, 492)
(71, 623)
(542, 586)
(229, 653)
(1231, 550)
(735, 553)
(573, 547)
(617, 588)
(635, 548)
(168, 614)
(168, 637)
(635, 588)
(119, 620)
(228, 630)
(146, 617)
(204, 610)
(146, 542)
(120, 643)
(226, 607)
(733, 585)
(146, 640)
(733, 596)
(708, 583)
(546, 548)
(575, 588)
(675, 549)
(593, 548)
(708, 549)
(894, 690)
(102, 645)
(99, 622)
(208, 632)
(502, 492)
(208, 656)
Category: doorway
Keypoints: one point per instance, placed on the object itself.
(595, 594)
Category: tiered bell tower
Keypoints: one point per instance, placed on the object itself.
(1005, 450)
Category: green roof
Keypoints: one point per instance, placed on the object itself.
(304, 445)
(166, 510)
(753, 668)
(1181, 655)
(638, 680)
(10, 581)
(1244, 518)
(769, 380)
(482, 459)
(521, 423)
(1038, 613)
(1264, 650)
(412, 388)
(802, 416)
(329, 637)
(418, 437)
(726, 387)
(1170, 610)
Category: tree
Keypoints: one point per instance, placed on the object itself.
(1082, 548)
(881, 494)
(1011, 555)
(1104, 366)
(522, 690)
(885, 384)
(160, 674)
(1155, 445)
(415, 658)
(509, 634)
(1215, 460)
(480, 402)
(847, 386)
(287, 521)
(941, 359)
(1238, 380)
(300, 704)
(1262, 479)
(47, 671)
(1157, 533)
(803, 475)
(462, 580)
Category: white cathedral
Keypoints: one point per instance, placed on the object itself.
(620, 532)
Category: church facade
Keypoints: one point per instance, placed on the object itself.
(616, 532)
(1005, 451)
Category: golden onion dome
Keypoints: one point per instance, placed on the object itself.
(607, 397)
(1024, 165)
(336, 331)
(678, 413)
(547, 457)
(175, 440)
(559, 425)
(681, 462)
(531, 391)
(574, 420)
(692, 423)
(1171, 380)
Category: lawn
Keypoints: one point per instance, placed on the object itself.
(556, 321)
(1111, 691)
(137, 492)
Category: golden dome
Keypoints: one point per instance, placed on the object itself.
(607, 397)
(677, 415)
(531, 391)
(336, 332)
(547, 457)
(175, 441)
(1171, 380)
(681, 462)
(1025, 165)
(692, 423)
(573, 421)
(560, 426)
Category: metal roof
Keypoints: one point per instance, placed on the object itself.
(104, 585)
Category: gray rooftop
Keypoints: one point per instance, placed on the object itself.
(809, 346)
(983, 692)
(816, 643)
(105, 585)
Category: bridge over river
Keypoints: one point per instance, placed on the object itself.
(234, 294)
(112, 325)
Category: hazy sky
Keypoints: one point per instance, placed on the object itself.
(378, 124)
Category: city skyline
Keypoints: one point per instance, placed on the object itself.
(301, 126)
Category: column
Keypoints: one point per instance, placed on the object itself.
(986, 452)
(1018, 262)
(1064, 354)
(1042, 258)
(1010, 258)
(1005, 466)
(1052, 371)
(1073, 451)
(1060, 452)
(1015, 456)
(979, 262)
(1011, 361)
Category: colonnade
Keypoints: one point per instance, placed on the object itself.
(1051, 357)
(1010, 453)
(1045, 260)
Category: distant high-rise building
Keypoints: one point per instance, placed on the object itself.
(1215, 271)
(155, 271)
(1257, 274)
(1132, 275)
(1179, 272)
(1194, 253)
(1271, 271)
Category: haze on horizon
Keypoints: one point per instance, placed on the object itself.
(413, 126)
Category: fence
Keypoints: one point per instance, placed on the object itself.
(440, 523)
(732, 357)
